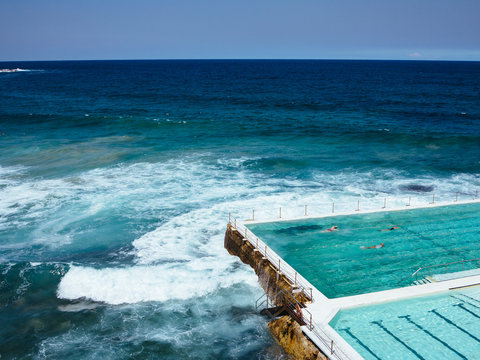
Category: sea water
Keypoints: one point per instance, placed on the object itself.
(117, 177)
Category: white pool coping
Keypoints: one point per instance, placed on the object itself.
(455, 275)
(323, 309)
(368, 211)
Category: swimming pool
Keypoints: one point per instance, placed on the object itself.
(434, 327)
(340, 263)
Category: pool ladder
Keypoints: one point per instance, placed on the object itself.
(427, 279)
(423, 281)
(283, 303)
(429, 267)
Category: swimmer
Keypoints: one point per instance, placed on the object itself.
(372, 247)
(333, 228)
(390, 229)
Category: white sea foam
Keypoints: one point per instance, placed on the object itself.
(80, 306)
(149, 283)
(222, 325)
(183, 256)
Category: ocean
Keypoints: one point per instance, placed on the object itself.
(117, 179)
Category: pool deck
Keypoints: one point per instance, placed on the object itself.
(324, 309)
(366, 211)
(455, 275)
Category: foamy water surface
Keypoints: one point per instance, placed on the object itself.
(112, 224)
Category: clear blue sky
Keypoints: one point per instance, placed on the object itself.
(205, 29)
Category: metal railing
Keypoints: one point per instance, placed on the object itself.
(298, 281)
(358, 205)
(336, 351)
(286, 299)
(304, 317)
(429, 267)
(262, 300)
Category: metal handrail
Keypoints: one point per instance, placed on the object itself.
(258, 305)
(288, 300)
(336, 352)
(282, 267)
(441, 265)
(305, 317)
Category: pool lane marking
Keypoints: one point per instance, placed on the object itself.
(379, 324)
(465, 302)
(469, 297)
(461, 306)
(452, 323)
(407, 223)
(347, 330)
(407, 317)
(410, 254)
(416, 236)
(408, 227)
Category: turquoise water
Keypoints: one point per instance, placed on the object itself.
(443, 326)
(340, 263)
(117, 178)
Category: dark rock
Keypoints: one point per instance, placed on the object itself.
(417, 188)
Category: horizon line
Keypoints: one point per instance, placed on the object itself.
(245, 59)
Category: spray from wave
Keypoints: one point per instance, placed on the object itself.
(183, 256)
(180, 254)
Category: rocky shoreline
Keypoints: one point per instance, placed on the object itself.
(285, 329)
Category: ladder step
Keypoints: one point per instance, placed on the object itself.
(422, 281)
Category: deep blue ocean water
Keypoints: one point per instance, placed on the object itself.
(117, 177)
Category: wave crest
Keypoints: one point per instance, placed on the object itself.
(148, 283)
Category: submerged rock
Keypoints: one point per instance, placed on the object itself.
(417, 188)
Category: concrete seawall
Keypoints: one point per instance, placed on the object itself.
(285, 329)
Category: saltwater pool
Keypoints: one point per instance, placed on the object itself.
(443, 326)
(340, 263)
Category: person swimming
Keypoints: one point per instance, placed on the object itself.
(372, 247)
(389, 229)
(333, 228)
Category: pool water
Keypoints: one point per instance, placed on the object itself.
(443, 326)
(341, 264)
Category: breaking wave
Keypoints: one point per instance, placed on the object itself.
(183, 256)
(15, 70)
